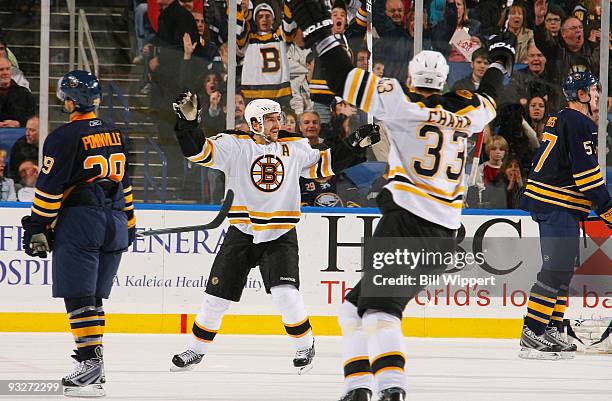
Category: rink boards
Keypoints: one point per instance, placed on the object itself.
(161, 279)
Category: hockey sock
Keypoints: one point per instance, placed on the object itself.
(556, 319)
(85, 324)
(290, 303)
(386, 349)
(101, 315)
(207, 322)
(539, 308)
(357, 370)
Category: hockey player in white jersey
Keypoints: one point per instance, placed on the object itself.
(263, 169)
(423, 199)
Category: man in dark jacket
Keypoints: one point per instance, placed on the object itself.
(17, 104)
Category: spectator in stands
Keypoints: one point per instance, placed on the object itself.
(553, 16)
(17, 104)
(265, 70)
(536, 112)
(496, 149)
(7, 185)
(594, 33)
(144, 32)
(378, 68)
(309, 124)
(239, 111)
(362, 59)
(298, 55)
(479, 64)
(517, 24)
(16, 73)
(320, 94)
(198, 59)
(396, 43)
(290, 121)
(28, 172)
(173, 22)
(213, 119)
(513, 178)
(535, 79)
(464, 22)
(571, 53)
(25, 148)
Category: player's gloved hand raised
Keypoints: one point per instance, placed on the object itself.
(188, 107)
(364, 136)
(502, 50)
(36, 240)
(313, 17)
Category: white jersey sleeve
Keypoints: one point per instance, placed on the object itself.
(315, 163)
(218, 152)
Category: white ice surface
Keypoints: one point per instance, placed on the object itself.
(256, 368)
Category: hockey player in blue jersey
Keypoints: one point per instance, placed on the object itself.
(564, 185)
(83, 213)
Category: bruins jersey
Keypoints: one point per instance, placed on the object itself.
(427, 139)
(265, 72)
(83, 151)
(565, 173)
(264, 178)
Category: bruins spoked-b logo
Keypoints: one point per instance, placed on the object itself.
(267, 173)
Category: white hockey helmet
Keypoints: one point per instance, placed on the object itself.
(257, 109)
(428, 69)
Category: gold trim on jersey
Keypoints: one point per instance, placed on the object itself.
(322, 168)
(207, 156)
(558, 196)
(359, 73)
(401, 172)
(565, 205)
(560, 189)
(290, 139)
(578, 175)
(266, 93)
(260, 221)
(457, 204)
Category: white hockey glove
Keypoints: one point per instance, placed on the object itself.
(187, 107)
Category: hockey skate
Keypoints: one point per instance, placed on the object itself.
(537, 347)
(568, 351)
(85, 380)
(302, 362)
(358, 394)
(392, 394)
(185, 361)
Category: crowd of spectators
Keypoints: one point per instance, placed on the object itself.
(18, 111)
(183, 44)
(187, 49)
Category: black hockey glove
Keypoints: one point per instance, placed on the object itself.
(364, 136)
(502, 50)
(131, 235)
(605, 213)
(188, 107)
(36, 239)
(314, 18)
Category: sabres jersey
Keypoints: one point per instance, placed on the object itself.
(83, 151)
(427, 139)
(265, 179)
(565, 173)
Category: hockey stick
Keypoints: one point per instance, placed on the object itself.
(216, 222)
(476, 160)
(370, 46)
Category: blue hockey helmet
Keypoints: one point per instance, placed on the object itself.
(83, 88)
(578, 80)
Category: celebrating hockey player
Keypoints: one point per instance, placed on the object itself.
(564, 185)
(83, 213)
(423, 198)
(263, 169)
